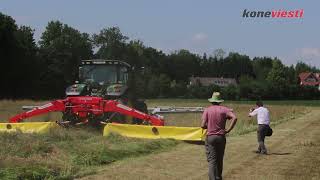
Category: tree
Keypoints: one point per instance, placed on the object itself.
(236, 65)
(153, 87)
(230, 92)
(245, 88)
(164, 85)
(303, 67)
(182, 65)
(261, 67)
(61, 50)
(219, 53)
(278, 79)
(18, 59)
(110, 43)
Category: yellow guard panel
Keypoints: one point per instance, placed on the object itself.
(156, 132)
(27, 127)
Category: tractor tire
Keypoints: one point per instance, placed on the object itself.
(140, 106)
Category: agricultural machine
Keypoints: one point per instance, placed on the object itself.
(102, 95)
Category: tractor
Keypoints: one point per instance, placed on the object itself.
(103, 94)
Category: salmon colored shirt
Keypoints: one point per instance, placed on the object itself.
(215, 118)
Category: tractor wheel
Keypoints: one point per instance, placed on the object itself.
(140, 106)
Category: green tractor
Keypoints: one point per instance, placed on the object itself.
(109, 79)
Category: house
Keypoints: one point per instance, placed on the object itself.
(207, 81)
(309, 79)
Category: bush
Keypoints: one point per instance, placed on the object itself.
(230, 92)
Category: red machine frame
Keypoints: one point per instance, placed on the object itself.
(84, 106)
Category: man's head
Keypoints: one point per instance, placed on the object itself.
(259, 103)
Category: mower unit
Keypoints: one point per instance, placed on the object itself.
(88, 110)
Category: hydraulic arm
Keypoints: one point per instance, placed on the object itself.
(84, 107)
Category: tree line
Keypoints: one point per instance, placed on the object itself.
(43, 69)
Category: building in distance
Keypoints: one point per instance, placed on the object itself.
(208, 81)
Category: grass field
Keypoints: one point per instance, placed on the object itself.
(280, 111)
(293, 154)
(69, 153)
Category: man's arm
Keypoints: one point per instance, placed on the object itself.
(252, 112)
(233, 119)
(204, 122)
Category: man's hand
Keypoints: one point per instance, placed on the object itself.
(227, 131)
(233, 120)
(251, 110)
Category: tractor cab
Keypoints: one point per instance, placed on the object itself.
(103, 78)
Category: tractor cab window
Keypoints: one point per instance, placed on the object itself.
(123, 75)
(103, 74)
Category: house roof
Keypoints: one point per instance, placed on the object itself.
(303, 76)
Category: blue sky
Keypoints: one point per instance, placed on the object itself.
(199, 26)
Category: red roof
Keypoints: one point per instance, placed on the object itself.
(303, 76)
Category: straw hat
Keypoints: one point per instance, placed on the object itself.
(216, 98)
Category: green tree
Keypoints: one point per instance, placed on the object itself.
(303, 67)
(230, 92)
(18, 59)
(278, 79)
(111, 43)
(236, 65)
(153, 87)
(61, 50)
(219, 53)
(164, 85)
(261, 67)
(245, 88)
(182, 65)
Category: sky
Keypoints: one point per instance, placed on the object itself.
(198, 26)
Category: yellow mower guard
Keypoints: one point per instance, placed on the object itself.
(28, 127)
(156, 132)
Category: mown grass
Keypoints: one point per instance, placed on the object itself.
(67, 153)
(245, 124)
(70, 153)
(9, 108)
(203, 102)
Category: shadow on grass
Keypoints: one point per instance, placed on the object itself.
(279, 154)
(195, 142)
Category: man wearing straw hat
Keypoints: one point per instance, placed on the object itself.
(214, 120)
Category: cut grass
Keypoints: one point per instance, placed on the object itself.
(70, 153)
(66, 154)
(244, 124)
(204, 102)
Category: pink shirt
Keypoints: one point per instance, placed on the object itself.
(215, 118)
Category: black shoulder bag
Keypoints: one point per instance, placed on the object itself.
(269, 131)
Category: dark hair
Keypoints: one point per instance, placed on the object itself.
(259, 103)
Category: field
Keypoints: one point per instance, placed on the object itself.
(245, 124)
(74, 153)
